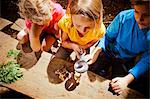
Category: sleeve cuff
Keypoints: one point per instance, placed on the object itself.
(131, 71)
(139, 69)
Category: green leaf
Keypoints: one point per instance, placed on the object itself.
(10, 72)
(13, 53)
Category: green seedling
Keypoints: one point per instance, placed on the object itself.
(13, 53)
(10, 71)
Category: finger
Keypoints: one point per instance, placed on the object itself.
(84, 51)
(118, 91)
(89, 62)
(81, 51)
(77, 54)
(78, 50)
(116, 88)
(114, 84)
(114, 80)
(87, 58)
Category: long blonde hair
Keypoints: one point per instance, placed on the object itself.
(93, 9)
(38, 11)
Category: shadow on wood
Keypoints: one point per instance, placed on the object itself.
(58, 70)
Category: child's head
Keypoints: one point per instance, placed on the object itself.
(86, 14)
(142, 13)
(38, 11)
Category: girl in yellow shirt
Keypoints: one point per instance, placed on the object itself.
(81, 27)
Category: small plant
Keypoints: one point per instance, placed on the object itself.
(10, 71)
(13, 53)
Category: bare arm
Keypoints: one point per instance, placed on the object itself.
(92, 57)
(88, 45)
(34, 37)
(66, 43)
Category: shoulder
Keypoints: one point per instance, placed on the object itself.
(126, 15)
(66, 18)
(65, 23)
(148, 35)
(58, 8)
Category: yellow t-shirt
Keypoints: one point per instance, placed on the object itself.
(65, 24)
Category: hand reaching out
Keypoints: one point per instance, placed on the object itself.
(90, 59)
(77, 50)
(119, 84)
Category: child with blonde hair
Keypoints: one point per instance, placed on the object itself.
(41, 17)
(81, 27)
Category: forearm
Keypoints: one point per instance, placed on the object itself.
(92, 57)
(34, 37)
(142, 66)
(96, 53)
(129, 78)
(35, 30)
(35, 43)
(67, 44)
(88, 45)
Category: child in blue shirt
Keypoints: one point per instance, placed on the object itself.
(127, 37)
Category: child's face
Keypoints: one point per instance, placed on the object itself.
(142, 15)
(82, 23)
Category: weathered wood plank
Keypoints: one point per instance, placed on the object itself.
(39, 81)
(19, 24)
(4, 22)
(6, 43)
(36, 84)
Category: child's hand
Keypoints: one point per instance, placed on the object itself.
(77, 50)
(92, 57)
(118, 84)
(89, 58)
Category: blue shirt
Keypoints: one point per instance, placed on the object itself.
(129, 41)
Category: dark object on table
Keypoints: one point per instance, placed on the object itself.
(71, 83)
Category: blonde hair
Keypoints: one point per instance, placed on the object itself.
(38, 11)
(93, 9)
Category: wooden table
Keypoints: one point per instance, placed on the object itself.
(39, 81)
